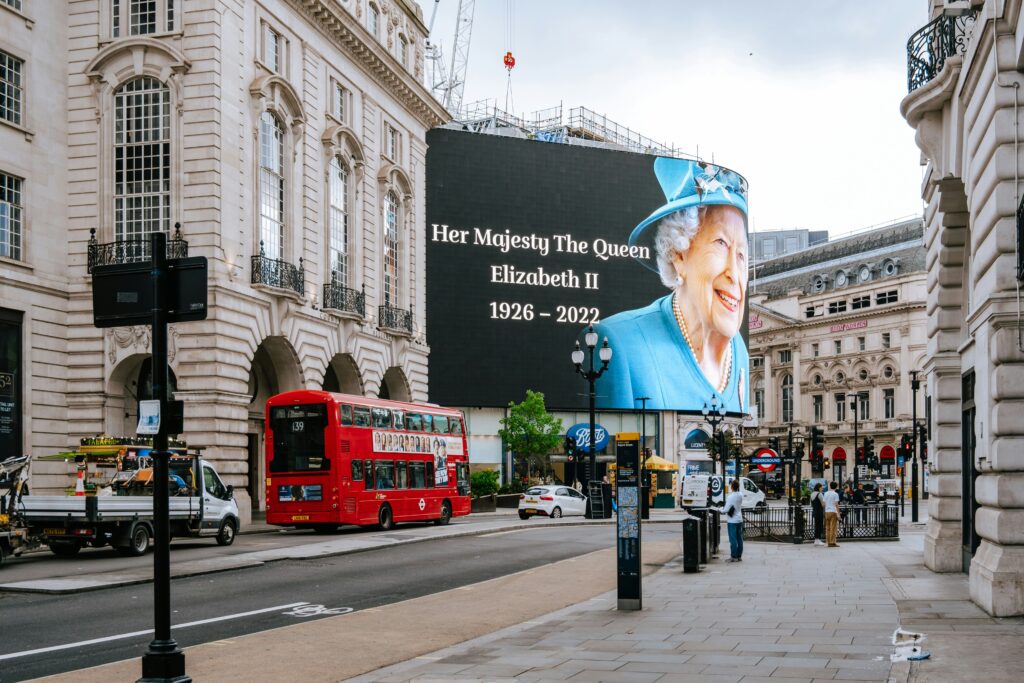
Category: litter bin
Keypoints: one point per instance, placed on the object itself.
(606, 495)
(714, 530)
(704, 515)
(691, 544)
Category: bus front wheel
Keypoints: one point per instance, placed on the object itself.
(385, 518)
(446, 514)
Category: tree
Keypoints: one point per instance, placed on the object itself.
(530, 432)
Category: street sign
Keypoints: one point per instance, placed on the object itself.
(627, 484)
(122, 293)
(899, 461)
(862, 471)
(766, 459)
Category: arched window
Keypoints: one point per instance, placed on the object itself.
(338, 222)
(271, 186)
(142, 158)
(787, 398)
(391, 244)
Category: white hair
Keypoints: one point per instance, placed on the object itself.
(675, 235)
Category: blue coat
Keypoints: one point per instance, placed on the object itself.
(651, 358)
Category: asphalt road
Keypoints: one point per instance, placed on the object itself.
(46, 634)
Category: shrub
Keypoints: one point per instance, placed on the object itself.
(483, 483)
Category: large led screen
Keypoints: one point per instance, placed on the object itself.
(529, 243)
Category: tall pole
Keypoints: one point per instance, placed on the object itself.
(789, 464)
(643, 442)
(163, 661)
(591, 375)
(593, 426)
(914, 386)
(856, 461)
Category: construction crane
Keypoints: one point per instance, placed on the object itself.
(447, 84)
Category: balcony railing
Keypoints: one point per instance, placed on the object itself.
(932, 45)
(340, 298)
(278, 273)
(132, 250)
(390, 318)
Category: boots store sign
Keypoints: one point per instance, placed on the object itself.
(581, 432)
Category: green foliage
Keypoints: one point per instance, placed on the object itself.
(483, 483)
(531, 433)
(734, 447)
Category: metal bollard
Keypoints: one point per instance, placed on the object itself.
(691, 545)
(798, 524)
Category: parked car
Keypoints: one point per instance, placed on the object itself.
(552, 501)
(753, 497)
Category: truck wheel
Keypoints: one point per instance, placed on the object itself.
(446, 514)
(138, 542)
(385, 518)
(226, 535)
(65, 548)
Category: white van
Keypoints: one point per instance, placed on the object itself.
(753, 497)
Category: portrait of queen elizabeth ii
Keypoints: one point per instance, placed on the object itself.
(686, 346)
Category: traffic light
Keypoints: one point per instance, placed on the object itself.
(570, 448)
(906, 446)
(817, 449)
(827, 464)
(869, 451)
(860, 455)
(773, 443)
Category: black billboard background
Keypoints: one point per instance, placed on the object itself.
(529, 187)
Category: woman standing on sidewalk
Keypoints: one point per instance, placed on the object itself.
(818, 514)
(734, 512)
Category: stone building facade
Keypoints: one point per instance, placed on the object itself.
(838, 320)
(964, 82)
(286, 137)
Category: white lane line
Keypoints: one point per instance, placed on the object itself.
(135, 634)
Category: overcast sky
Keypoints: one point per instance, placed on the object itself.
(802, 98)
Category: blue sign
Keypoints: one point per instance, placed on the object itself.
(899, 461)
(765, 461)
(581, 432)
(730, 468)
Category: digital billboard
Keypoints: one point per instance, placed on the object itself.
(528, 243)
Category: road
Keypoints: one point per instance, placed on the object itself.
(46, 634)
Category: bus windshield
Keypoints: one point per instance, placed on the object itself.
(299, 438)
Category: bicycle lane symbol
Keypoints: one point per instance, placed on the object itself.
(305, 611)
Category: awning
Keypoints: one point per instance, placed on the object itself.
(838, 453)
(656, 462)
(887, 453)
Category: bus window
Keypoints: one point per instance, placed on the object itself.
(382, 418)
(346, 415)
(414, 422)
(455, 426)
(462, 478)
(440, 424)
(362, 416)
(430, 475)
(428, 425)
(299, 438)
(357, 470)
(417, 476)
(399, 419)
(385, 474)
(368, 468)
(401, 476)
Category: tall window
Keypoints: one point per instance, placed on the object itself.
(864, 402)
(271, 186)
(759, 397)
(10, 87)
(140, 17)
(142, 158)
(339, 222)
(814, 350)
(374, 21)
(787, 398)
(10, 216)
(391, 249)
(272, 45)
(403, 51)
(886, 340)
(839, 346)
(889, 403)
(819, 408)
(840, 407)
(339, 106)
(861, 343)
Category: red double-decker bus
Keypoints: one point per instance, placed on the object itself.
(337, 459)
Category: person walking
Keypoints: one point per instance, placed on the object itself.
(734, 517)
(831, 501)
(818, 514)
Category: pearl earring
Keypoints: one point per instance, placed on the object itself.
(679, 280)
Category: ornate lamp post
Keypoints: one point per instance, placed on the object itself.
(591, 375)
(714, 415)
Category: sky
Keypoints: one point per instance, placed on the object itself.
(802, 98)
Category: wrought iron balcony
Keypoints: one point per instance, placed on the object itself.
(340, 298)
(930, 47)
(132, 250)
(398, 319)
(278, 273)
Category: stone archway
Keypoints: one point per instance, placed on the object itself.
(395, 385)
(342, 375)
(275, 368)
(130, 381)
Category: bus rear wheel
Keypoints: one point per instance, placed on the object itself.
(446, 514)
(385, 518)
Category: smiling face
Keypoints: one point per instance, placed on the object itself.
(714, 271)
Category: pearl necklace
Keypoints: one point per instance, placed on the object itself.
(681, 321)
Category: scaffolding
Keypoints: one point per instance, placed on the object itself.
(579, 126)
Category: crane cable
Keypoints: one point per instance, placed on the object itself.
(509, 60)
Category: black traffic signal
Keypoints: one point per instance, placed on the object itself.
(860, 455)
(570, 448)
(906, 446)
(869, 451)
(817, 449)
(799, 453)
(827, 464)
(773, 443)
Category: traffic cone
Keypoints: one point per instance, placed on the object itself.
(80, 482)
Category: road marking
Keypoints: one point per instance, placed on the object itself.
(308, 610)
(135, 634)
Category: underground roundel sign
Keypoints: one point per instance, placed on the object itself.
(766, 459)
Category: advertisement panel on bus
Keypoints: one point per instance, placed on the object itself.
(529, 243)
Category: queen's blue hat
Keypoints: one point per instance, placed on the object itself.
(687, 183)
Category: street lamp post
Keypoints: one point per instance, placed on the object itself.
(591, 375)
(714, 415)
(915, 384)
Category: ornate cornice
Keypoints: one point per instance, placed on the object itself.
(371, 55)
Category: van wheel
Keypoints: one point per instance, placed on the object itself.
(446, 514)
(138, 542)
(226, 534)
(385, 518)
(65, 548)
